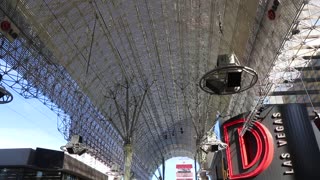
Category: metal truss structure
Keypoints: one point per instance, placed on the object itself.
(299, 51)
(20, 72)
(295, 71)
(124, 73)
(299, 59)
(30, 72)
(269, 38)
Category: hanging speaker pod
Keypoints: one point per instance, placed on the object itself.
(229, 77)
(5, 96)
(75, 146)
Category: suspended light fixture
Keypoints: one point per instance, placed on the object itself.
(272, 11)
(8, 29)
(229, 77)
(75, 146)
(5, 96)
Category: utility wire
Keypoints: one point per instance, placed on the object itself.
(92, 38)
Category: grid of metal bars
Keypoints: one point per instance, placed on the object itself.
(296, 70)
(78, 57)
(268, 38)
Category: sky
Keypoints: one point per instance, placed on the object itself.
(170, 167)
(27, 123)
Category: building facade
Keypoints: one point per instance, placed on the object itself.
(23, 164)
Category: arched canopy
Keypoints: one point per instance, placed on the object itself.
(128, 70)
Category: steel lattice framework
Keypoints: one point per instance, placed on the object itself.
(298, 79)
(120, 72)
(295, 72)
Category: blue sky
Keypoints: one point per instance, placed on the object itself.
(27, 123)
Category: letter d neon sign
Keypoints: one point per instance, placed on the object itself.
(264, 149)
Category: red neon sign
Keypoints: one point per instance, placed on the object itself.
(264, 150)
(244, 152)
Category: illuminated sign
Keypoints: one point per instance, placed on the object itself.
(281, 145)
(253, 163)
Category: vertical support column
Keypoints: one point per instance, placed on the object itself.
(195, 167)
(127, 161)
(163, 168)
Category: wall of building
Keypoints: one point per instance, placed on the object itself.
(44, 163)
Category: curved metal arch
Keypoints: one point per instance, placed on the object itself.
(131, 29)
(148, 148)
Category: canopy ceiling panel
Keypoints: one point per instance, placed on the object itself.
(139, 63)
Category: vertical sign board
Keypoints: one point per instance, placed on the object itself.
(281, 146)
(184, 172)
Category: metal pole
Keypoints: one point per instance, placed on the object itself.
(163, 168)
(195, 167)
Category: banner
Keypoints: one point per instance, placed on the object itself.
(184, 172)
